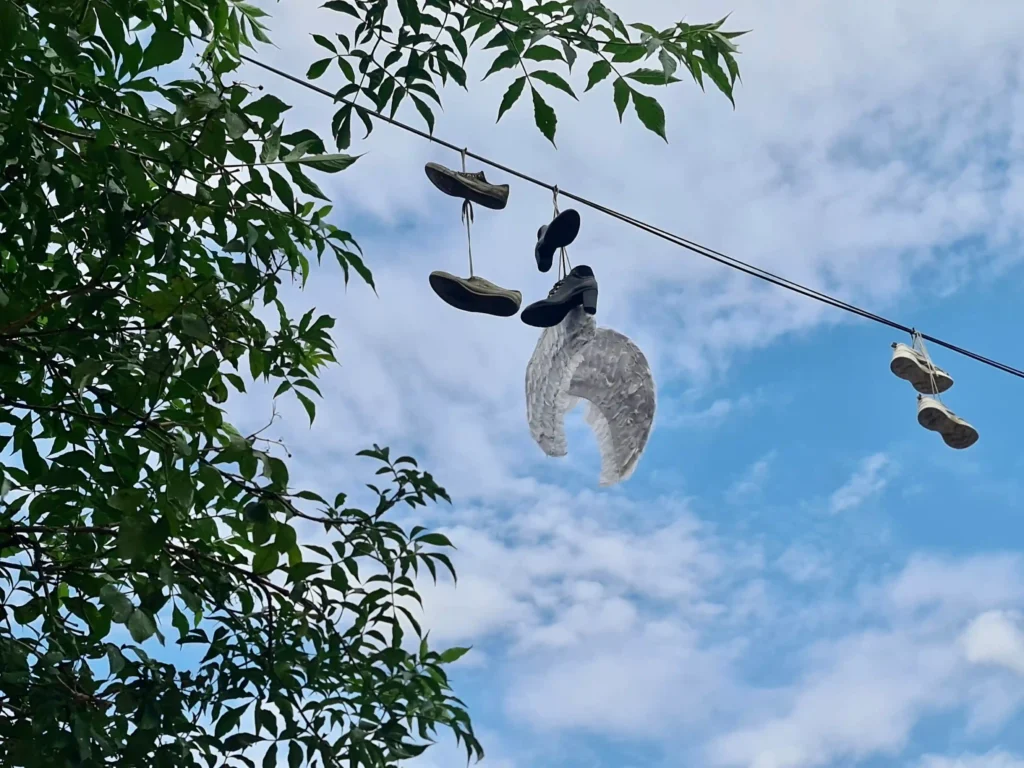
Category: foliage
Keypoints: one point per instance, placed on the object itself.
(431, 43)
(146, 209)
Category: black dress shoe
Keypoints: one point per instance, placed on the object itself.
(577, 288)
(558, 234)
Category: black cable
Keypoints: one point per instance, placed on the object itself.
(682, 242)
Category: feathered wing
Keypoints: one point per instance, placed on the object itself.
(614, 377)
(555, 358)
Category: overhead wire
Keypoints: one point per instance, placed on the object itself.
(701, 250)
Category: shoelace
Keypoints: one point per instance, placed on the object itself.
(556, 286)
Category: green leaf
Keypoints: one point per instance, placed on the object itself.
(668, 63)
(229, 721)
(285, 539)
(650, 113)
(425, 111)
(543, 53)
(133, 536)
(240, 741)
(554, 80)
(323, 42)
(410, 13)
(141, 626)
(265, 560)
(626, 52)
(317, 68)
(328, 163)
(710, 66)
(236, 125)
(570, 54)
(268, 107)
(512, 95)
(165, 47)
(505, 60)
(598, 72)
(282, 189)
(271, 146)
(307, 404)
(304, 183)
(10, 24)
(294, 755)
(180, 488)
(544, 116)
(454, 654)
(115, 659)
(621, 96)
(257, 512)
(342, 6)
(180, 623)
(120, 606)
(651, 77)
(435, 539)
(196, 327)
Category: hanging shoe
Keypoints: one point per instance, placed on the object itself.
(910, 365)
(468, 186)
(559, 233)
(577, 288)
(933, 415)
(474, 294)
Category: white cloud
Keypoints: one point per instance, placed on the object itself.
(862, 692)
(862, 696)
(752, 481)
(683, 413)
(994, 759)
(996, 638)
(803, 564)
(868, 481)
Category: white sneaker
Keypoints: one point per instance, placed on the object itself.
(933, 415)
(910, 365)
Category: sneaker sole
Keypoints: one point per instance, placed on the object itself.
(955, 432)
(908, 368)
(562, 231)
(455, 187)
(465, 298)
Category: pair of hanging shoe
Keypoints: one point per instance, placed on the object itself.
(913, 364)
(476, 294)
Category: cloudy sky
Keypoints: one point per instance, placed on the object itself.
(797, 575)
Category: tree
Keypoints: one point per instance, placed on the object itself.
(142, 218)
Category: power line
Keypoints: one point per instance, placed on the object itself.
(701, 250)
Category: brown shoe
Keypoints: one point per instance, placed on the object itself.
(468, 186)
(474, 294)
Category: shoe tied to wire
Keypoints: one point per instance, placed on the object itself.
(468, 186)
(559, 233)
(578, 288)
(474, 294)
(911, 365)
(933, 415)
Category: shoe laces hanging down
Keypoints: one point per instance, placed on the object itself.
(917, 344)
(467, 217)
(564, 265)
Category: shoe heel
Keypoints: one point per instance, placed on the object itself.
(590, 301)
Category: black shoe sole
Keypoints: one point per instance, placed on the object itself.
(544, 315)
(452, 186)
(562, 231)
(461, 297)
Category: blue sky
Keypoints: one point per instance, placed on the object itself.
(797, 575)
